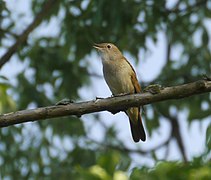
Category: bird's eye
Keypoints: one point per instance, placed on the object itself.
(109, 46)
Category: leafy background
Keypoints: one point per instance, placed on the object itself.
(57, 61)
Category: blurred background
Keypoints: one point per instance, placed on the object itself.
(46, 55)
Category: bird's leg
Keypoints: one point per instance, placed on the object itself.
(153, 89)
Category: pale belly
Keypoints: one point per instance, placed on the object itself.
(118, 81)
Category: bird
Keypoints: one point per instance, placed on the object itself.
(121, 78)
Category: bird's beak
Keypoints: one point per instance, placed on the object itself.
(98, 46)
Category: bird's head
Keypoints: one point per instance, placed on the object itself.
(108, 51)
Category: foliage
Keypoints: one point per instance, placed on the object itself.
(55, 67)
(174, 170)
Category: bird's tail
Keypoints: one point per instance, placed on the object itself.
(137, 129)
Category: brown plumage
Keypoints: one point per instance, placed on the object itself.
(121, 78)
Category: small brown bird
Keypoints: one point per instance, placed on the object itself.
(121, 79)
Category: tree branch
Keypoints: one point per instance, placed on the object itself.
(110, 104)
(23, 37)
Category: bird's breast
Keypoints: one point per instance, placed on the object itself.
(118, 77)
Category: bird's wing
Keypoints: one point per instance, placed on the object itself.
(137, 87)
(136, 84)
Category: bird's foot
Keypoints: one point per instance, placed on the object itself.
(64, 102)
(153, 89)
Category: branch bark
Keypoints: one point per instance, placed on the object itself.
(111, 104)
(23, 37)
